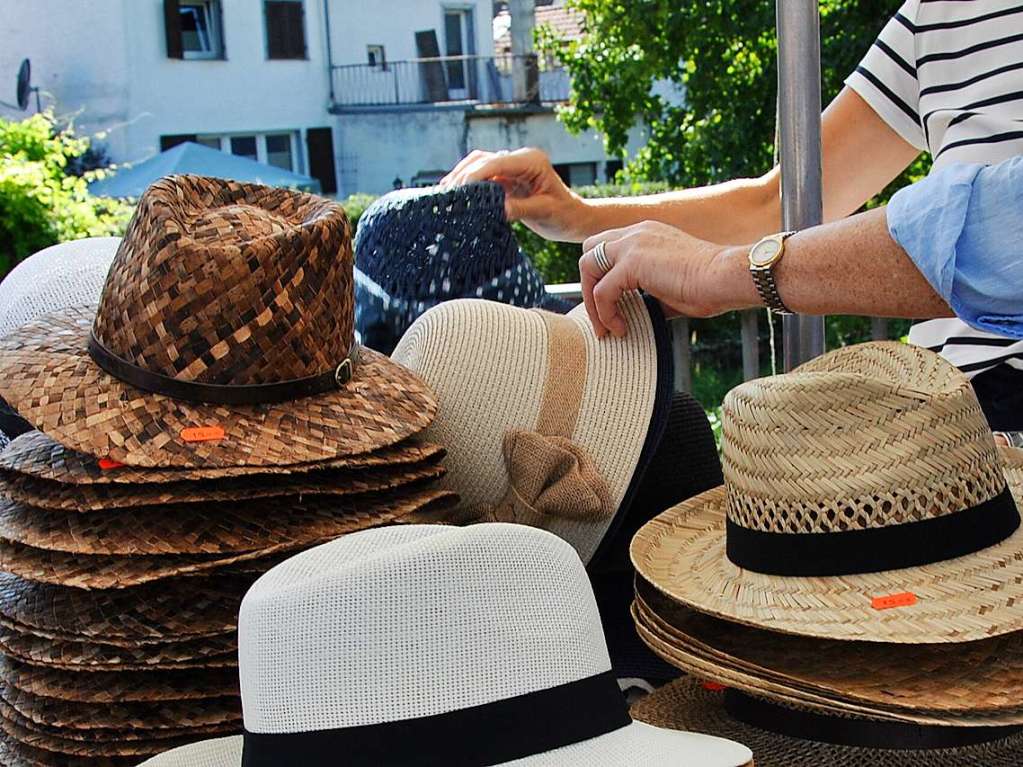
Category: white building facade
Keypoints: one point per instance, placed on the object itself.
(361, 94)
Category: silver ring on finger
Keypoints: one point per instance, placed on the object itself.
(601, 259)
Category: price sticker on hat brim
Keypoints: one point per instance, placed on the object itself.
(108, 464)
(202, 434)
(892, 601)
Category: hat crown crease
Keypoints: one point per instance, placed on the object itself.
(230, 284)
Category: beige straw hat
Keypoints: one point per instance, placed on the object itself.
(980, 681)
(224, 336)
(555, 429)
(797, 741)
(864, 499)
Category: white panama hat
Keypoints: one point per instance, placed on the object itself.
(434, 645)
(544, 423)
(58, 277)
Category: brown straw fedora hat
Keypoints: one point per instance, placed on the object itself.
(36, 455)
(864, 498)
(794, 737)
(982, 680)
(224, 336)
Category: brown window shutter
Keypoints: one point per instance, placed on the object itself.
(285, 29)
(172, 28)
(320, 143)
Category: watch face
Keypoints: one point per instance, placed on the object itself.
(764, 251)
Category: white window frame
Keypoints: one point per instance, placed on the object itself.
(213, 11)
(297, 158)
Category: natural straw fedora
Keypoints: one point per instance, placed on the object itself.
(793, 737)
(224, 336)
(544, 423)
(864, 498)
(430, 646)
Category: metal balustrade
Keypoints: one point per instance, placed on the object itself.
(450, 79)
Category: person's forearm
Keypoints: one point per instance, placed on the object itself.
(851, 266)
(734, 212)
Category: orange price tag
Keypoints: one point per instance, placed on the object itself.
(905, 599)
(202, 434)
(713, 686)
(109, 463)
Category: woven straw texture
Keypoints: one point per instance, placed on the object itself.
(226, 528)
(451, 347)
(118, 686)
(205, 652)
(64, 275)
(14, 754)
(47, 494)
(262, 285)
(36, 455)
(417, 247)
(180, 608)
(686, 705)
(982, 677)
(906, 432)
(496, 611)
(700, 666)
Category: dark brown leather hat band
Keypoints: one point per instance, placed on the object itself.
(216, 394)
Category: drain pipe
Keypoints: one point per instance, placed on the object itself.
(330, 55)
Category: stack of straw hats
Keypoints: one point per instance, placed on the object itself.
(855, 582)
(212, 416)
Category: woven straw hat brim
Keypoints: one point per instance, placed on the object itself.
(682, 554)
(203, 529)
(118, 686)
(15, 754)
(451, 347)
(47, 494)
(973, 677)
(131, 643)
(685, 705)
(181, 608)
(637, 745)
(36, 455)
(702, 667)
(101, 744)
(206, 652)
(148, 717)
(47, 375)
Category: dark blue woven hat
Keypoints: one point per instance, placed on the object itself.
(415, 248)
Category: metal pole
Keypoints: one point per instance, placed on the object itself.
(799, 126)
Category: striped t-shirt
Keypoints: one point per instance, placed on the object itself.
(947, 75)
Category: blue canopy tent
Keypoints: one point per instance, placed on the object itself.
(198, 160)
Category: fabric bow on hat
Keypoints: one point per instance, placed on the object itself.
(548, 477)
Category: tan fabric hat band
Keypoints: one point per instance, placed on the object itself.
(563, 390)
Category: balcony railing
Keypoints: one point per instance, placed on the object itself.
(474, 79)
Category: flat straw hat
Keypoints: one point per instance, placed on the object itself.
(417, 247)
(555, 430)
(981, 680)
(38, 456)
(224, 336)
(782, 737)
(864, 499)
(431, 645)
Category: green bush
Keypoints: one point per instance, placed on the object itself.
(41, 203)
(355, 206)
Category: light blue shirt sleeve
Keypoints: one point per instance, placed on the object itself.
(963, 228)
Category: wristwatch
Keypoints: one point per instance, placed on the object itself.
(762, 259)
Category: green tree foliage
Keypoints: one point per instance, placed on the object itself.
(721, 53)
(41, 203)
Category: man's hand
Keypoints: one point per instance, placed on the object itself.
(688, 276)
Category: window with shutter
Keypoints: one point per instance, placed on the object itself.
(285, 29)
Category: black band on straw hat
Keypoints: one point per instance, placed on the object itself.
(875, 549)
